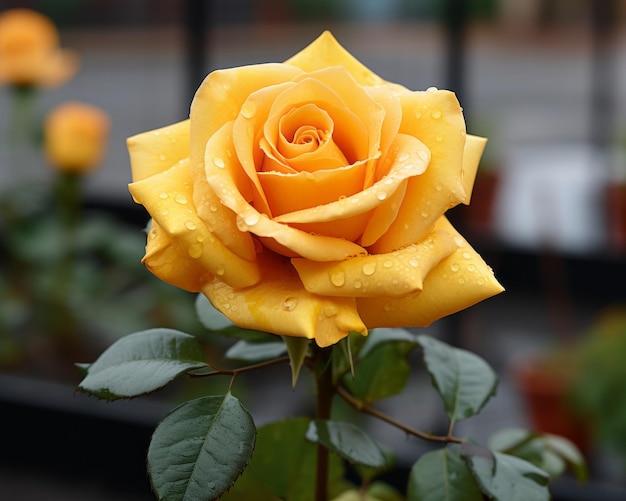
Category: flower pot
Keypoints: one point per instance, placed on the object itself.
(545, 391)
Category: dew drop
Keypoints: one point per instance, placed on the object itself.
(163, 196)
(213, 208)
(338, 278)
(418, 114)
(369, 268)
(403, 157)
(438, 187)
(357, 284)
(414, 262)
(219, 162)
(162, 157)
(330, 310)
(381, 195)
(458, 240)
(195, 250)
(439, 138)
(190, 225)
(181, 199)
(436, 113)
(424, 214)
(290, 303)
(461, 281)
(387, 306)
(251, 219)
(248, 110)
(454, 267)
(471, 267)
(467, 255)
(200, 237)
(219, 271)
(481, 281)
(156, 133)
(388, 264)
(432, 89)
(165, 212)
(153, 233)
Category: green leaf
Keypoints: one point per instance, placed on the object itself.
(463, 379)
(342, 357)
(249, 351)
(383, 372)
(348, 441)
(283, 466)
(551, 453)
(504, 477)
(442, 475)
(385, 335)
(141, 363)
(200, 448)
(209, 316)
(297, 349)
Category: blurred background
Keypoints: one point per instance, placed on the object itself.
(544, 80)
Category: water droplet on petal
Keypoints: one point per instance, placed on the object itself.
(290, 303)
(481, 281)
(219, 271)
(418, 114)
(454, 267)
(195, 250)
(165, 212)
(156, 133)
(337, 278)
(248, 110)
(439, 138)
(357, 284)
(330, 310)
(471, 267)
(432, 89)
(190, 225)
(414, 262)
(181, 199)
(436, 113)
(219, 162)
(388, 264)
(467, 255)
(369, 268)
(381, 195)
(387, 306)
(403, 157)
(251, 219)
(163, 196)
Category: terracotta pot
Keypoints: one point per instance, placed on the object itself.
(616, 216)
(545, 391)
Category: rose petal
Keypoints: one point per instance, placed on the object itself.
(226, 181)
(382, 216)
(396, 274)
(220, 98)
(279, 304)
(325, 51)
(459, 281)
(167, 197)
(407, 157)
(169, 261)
(157, 150)
(435, 118)
(474, 147)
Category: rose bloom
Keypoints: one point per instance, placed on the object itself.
(29, 51)
(308, 198)
(75, 136)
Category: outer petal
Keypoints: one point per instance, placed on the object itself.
(157, 150)
(325, 51)
(395, 274)
(167, 196)
(459, 281)
(169, 261)
(474, 147)
(220, 97)
(225, 177)
(279, 304)
(435, 118)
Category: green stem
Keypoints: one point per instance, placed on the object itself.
(325, 391)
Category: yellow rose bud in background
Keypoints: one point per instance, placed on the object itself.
(30, 53)
(308, 198)
(75, 136)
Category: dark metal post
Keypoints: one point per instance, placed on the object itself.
(197, 25)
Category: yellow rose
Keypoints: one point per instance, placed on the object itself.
(75, 136)
(308, 198)
(29, 51)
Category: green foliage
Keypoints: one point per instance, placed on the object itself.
(283, 466)
(200, 448)
(348, 441)
(442, 475)
(464, 380)
(141, 363)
